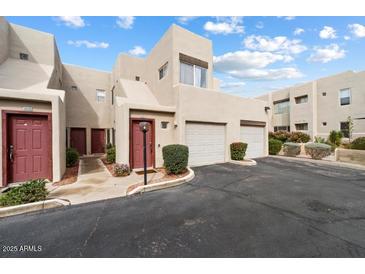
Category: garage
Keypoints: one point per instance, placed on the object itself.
(206, 142)
(253, 133)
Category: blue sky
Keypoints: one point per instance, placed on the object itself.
(253, 55)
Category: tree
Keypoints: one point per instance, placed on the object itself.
(350, 122)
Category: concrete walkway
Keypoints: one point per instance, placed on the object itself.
(95, 183)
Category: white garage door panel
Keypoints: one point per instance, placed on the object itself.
(206, 143)
(255, 138)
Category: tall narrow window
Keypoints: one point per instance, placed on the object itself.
(162, 71)
(344, 127)
(345, 96)
(186, 73)
(200, 77)
(100, 95)
(113, 95)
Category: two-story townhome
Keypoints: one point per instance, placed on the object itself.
(47, 106)
(320, 106)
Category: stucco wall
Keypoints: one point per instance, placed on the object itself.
(4, 39)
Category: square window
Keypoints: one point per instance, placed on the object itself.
(324, 124)
(73, 88)
(23, 56)
(138, 78)
(164, 124)
(100, 95)
(324, 93)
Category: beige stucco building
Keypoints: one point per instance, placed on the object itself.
(320, 106)
(47, 106)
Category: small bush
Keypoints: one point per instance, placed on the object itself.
(299, 137)
(280, 135)
(238, 151)
(72, 156)
(30, 192)
(291, 149)
(317, 151)
(109, 145)
(175, 158)
(358, 143)
(121, 170)
(274, 146)
(110, 155)
(319, 140)
(335, 137)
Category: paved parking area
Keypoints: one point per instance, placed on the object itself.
(279, 208)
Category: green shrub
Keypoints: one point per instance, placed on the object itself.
(317, 151)
(238, 151)
(121, 170)
(72, 156)
(319, 139)
(274, 146)
(358, 143)
(291, 149)
(32, 191)
(108, 145)
(175, 158)
(280, 135)
(299, 137)
(335, 137)
(110, 155)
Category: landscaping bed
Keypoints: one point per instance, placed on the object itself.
(70, 176)
(108, 165)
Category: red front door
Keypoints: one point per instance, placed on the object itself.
(28, 148)
(78, 140)
(97, 140)
(137, 145)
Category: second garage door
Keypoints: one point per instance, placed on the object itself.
(255, 138)
(206, 143)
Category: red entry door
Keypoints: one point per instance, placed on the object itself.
(137, 145)
(78, 140)
(28, 148)
(97, 140)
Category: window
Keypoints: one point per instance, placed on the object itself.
(162, 71)
(301, 99)
(23, 56)
(301, 126)
(284, 128)
(344, 127)
(324, 93)
(73, 88)
(138, 78)
(113, 95)
(324, 124)
(193, 75)
(164, 124)
(100, 95)
(345, 95)
(281, 107)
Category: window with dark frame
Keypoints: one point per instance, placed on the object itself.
(73, 88)
(281, 107)
(138, 78)
(23, 56)
(344, 128)
(324, 124)
(281, 128)
(301, 126)
(301, 99)
(162, 71)
(164, 124)
(324, 93)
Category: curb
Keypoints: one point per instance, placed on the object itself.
(26, 208)
(247, 162)
(163, 185)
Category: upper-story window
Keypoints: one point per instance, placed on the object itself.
(345, 97)
(281, 107)
(100, 95)
(162, 71)
(301, 99)
(138, 78)
(23, 56)
(73, 88)
(193, 71)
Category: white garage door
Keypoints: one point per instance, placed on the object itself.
(206, 143)
(255, 138)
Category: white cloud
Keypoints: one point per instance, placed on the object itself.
(88, 44)
(298, 31)
(232, 85)
(327, 54)
(328, 33)
(72, 21)
(260, 25)
(225, 25)
(357, 30)
(137, 51)
(346, 37)
(125, 22)
(184, 20)
(288, 18)
(252, 65)
(276, 44)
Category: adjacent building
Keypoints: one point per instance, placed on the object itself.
(47, 106)
(320, 106)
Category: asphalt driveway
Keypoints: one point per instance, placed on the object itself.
(278, 208)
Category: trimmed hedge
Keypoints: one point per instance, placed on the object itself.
(175, 158)
(274, 146)
(291, 149)
(30, 192)
(280, 135)
(358, 143)
(72, 156)
(317, 151)
(110, 155)
(299, 137)
(238, 151)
